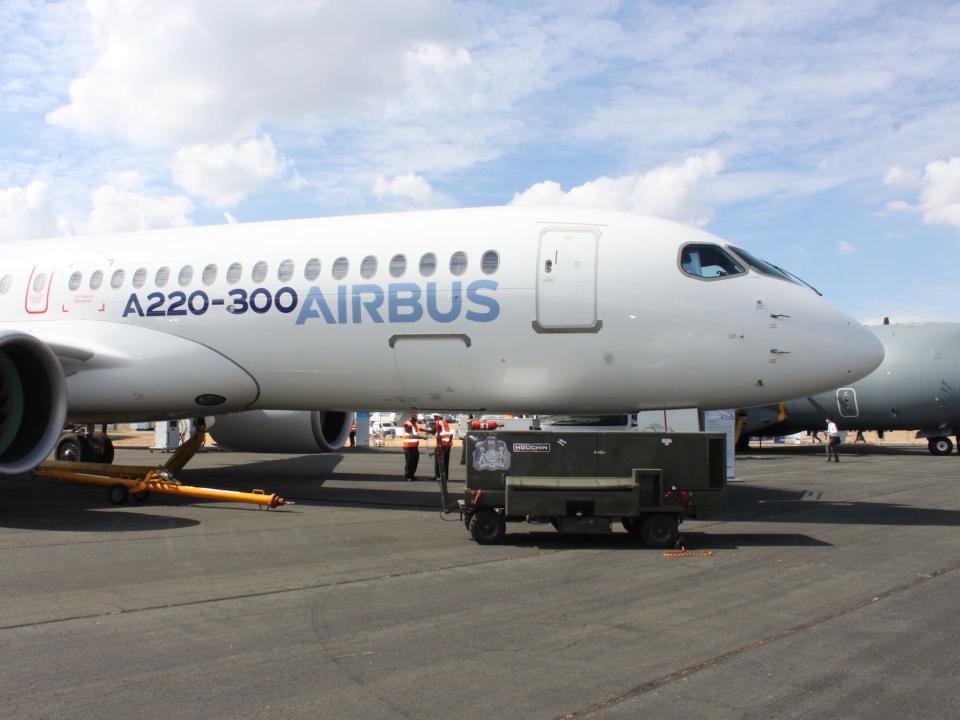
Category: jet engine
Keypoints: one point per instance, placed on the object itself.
(33, 402)
(282, 431)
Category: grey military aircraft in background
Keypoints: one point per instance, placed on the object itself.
(917, 387)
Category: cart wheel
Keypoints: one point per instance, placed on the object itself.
(487, 527)
(631, 524)
(141, 495)
(119, 494)
(659, 530)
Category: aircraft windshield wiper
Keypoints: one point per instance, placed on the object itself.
(798, 279)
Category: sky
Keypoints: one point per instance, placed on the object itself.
(822, 135)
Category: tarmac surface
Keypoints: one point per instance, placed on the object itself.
(832, 592)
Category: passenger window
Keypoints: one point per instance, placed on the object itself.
(234, 273)
(428, 264)
(40, 282)
(398, 266)
(75, 280)
(259, 272)
(117, 279)
(209, 276)
(140, 277)
(368, 268)
(186, 275)
(708, 261)
(458, 263)
(285, 271)
(490, 262)
(341, 266)
(5, 284)
(311, 270)
(163, 275)
(96, 280)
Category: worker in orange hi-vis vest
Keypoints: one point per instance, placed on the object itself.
(444, 447)
(411, 448)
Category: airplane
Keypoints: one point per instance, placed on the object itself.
(280, 328)
(914, 388)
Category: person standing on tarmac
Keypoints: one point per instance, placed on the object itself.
(411, 448)
(444, 447)
(353, 433)
(833, 441)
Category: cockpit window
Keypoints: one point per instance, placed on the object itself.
(709, 261)
(762, 266)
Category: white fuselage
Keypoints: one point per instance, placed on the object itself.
(583, 311)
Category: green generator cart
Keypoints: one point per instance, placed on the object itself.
(581, 482)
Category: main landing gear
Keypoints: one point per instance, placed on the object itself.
(940, 446)
(125, 481)
(88, 445)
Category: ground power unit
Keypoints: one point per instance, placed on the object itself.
(583, 482)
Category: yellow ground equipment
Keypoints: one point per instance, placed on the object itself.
(125, 481)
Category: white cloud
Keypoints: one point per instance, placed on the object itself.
(846, 248)
(118, 210)
(677, 192)
(940, 195)
(411, 188)
(939, 201)
(223, 175)
(125, 179)
(898, 177)
(27, 213)
(183, 71)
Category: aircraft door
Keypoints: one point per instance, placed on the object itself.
(567, 280)
(847, 403)
(37, 299)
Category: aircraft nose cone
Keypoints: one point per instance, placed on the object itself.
(864, 351)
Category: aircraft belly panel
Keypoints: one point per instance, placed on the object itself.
(434, 371)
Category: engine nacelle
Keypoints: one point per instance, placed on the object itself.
(33, 402)
(282, 431)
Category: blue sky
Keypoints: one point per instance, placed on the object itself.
(823, 135)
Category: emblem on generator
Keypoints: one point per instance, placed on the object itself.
(491, 454)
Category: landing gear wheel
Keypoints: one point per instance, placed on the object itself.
(141, 495)
(487, 527)
(631, 524)
(940, 446)
(119, 494)
(659, 530)
(73, 448)
(101, 447)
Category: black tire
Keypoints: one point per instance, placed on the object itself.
(631, 524)
(141, 495)
(659, 530)
(940, 446)
(487, 527)
(118, 494)
(73, 448)
(101, 448)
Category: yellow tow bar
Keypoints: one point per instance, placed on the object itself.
(140, 481)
